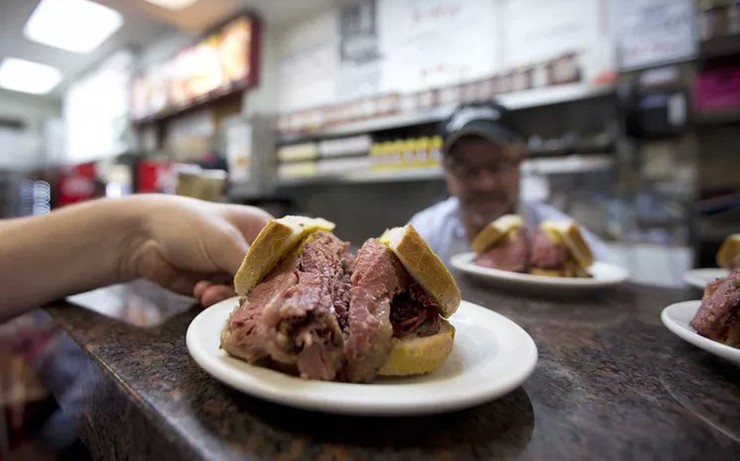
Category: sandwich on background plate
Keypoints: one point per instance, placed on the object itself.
(503, 244)
(309, 307)
(718, 317)
(555, 249)
(728, 255)
(559, 250)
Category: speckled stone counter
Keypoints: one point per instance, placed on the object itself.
(611, 383)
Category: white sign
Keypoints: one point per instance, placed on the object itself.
(433, 43)
(536, 31)
(308, 72)
(358, 49)
(655, 32)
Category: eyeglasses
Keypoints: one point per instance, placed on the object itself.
(497, 169)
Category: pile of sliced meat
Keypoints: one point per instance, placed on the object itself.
(520, 251)
(510, 254)
(326, 315)
(718, 318)
(734, 262)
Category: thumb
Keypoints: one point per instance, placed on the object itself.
(227, 254)
(249, 220)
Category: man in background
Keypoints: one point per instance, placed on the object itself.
(482, 155)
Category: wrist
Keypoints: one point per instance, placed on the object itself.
(132, 215)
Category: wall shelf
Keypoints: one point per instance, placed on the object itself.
(372, 125)
(421, 174)
(513, 101)
(569, 164)
(709, 232)
(721, 47)
(725, 117)
(550, 165)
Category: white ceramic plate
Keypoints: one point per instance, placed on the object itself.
(676, 318)
(492, 356)
(699, 278)
(604, 275)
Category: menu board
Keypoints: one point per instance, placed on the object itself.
(653, 32)
(535, 31)
(223, 62)
(433, 43)
(359, 70)
(308, 64)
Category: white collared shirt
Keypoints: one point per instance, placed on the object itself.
(441, 227)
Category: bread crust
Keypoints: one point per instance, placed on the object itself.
(424, 266)
(579, 248)
(419, 355)
(547, 272)
(495, 231)
(729, 249)
(278, 238)
(569, 234)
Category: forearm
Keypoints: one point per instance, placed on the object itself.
(72, 250)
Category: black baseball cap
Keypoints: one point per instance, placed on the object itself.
(488, 120)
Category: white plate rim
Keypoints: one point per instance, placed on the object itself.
(689, 335)
(464, 263)
(418, 403)
(698, 278)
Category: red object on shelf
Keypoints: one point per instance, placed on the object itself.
(717, 90)
(153, 176)
(77, 185)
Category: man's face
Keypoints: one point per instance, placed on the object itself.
(485, 178)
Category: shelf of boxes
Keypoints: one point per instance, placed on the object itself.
(569, 164)
(396, 160)
(408, 114)
(367, 177)
(394, 169)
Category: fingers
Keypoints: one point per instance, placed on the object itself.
(227, 253)
(152, 267)
(214, 294)
(249, 220)
(220, 236)
(214, 290)
(246, 222)
(201, 288)
(180, 282)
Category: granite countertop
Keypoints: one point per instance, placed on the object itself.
(611, 383)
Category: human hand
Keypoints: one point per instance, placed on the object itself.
(193, 247)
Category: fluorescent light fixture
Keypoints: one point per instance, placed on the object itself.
(28, 77)
(172, 4)
(72, 25)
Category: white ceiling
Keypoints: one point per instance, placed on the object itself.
(144, 24)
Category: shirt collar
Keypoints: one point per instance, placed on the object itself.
(458, 228)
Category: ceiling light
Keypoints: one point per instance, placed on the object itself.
(172, 4)
(28, 77)
(73, 25)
